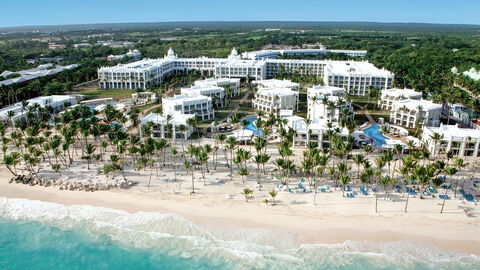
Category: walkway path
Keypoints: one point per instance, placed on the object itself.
(366, 113)
(466, 90)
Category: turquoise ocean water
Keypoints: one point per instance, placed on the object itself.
(39, 235)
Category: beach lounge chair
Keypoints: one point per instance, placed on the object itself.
(441, 196)
(348, 188)
(374, 189)
(364, 192)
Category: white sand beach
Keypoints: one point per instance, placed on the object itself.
(334, 219)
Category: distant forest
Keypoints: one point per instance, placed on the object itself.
(420, 55)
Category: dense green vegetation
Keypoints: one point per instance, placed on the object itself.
(420, 55)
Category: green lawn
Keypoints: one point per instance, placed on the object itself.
(106, 93)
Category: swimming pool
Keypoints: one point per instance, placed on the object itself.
(374, 132)
(252, 127)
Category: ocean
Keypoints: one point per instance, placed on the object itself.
(40, 235)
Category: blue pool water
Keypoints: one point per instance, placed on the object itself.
(374, 132)
(39, 235)
(252, 127)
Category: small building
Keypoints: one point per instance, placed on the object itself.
(189, 104)
(313, 132)
(410, 112)
(231, 85)
(57, 102)
(274, 83)
(159, 124)
(216, 93)
(142, 98)
(472, 74)
(272, 100)
(391, 96)
(326, 102)
(134, 55)
(462, 142)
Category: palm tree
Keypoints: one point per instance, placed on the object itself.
(358, 159)
(188, 166)
(174, 153)
(247, 193)
(273, 193)
(397, 150)
(459, 164)
(231, 145)
(89, 150)
(449, 171)
(243, 172)
(435, 137)
(385, 181)
(11, 160)
(344, 180)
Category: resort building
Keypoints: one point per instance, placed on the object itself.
(216, 93)
(460, 113)
(142, 98)
(274, 83)
(231, 85)
(326, 102)
(318, 131)
(391, 96)
(135, 55)
(411, 112)
(97, 102)
(21, 76)
(472, 74)
(272, 100)
(270, 54)
(57, 102)
(159, 124)
(356, 77)
(463, 142)
(189, 104)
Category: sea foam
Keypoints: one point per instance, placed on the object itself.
(173, 235)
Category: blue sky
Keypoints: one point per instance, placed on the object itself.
(48, 12)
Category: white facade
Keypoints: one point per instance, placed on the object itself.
(463, 142)
(135, 54)
(189, 104)
(355, 77)
(274, 83)
(391, 96)
(408, 112)
(272, 100)
(57, 102)
(267, 54)
(326, 102)
(231, 85)
(34, 73)
(216, 93)
(314, 132)
(159, 125)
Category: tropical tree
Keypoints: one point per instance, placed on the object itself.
(273, 193)
(449, 171)
(247, 193)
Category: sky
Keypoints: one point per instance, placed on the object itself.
(54, 12)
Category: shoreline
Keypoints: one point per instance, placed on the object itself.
(321, 225)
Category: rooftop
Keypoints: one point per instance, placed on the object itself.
(355, 67)
(407, 93)
(449, 131)
(275, 83)
(413, 104)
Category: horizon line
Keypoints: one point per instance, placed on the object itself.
(252, 21)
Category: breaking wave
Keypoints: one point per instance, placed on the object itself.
(223, 247)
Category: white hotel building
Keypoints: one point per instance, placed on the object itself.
(355, 77)
(391, 96)
(189, 104)
(233, 84)
(159, 127)
(57, 102)
(272, 100)
(274, 83)
(216, 93)
(463, 142)
(318, 99)
(408, 112)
